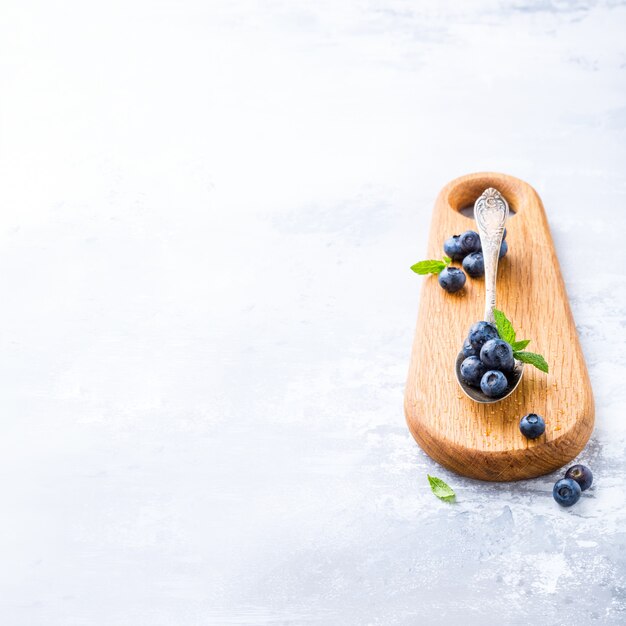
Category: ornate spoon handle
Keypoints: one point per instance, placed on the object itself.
(491, 211)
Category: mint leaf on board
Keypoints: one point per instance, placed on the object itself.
(504, 327)
(440, 489)
(520, 345)
(432, 266)
(532, 359)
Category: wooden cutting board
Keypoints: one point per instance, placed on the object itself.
(483, 440)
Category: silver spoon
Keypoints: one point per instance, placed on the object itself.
(490, 211)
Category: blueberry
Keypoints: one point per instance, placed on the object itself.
(493, 383)
(480, 333)
(474, 265)
(532, 426)
(470, 241)
(504, 235)
(468, 349)
(581, 474)
(504, 248)
(497, 354)
(472, 370)
(566, 491)
(452, 279)
(452, 248)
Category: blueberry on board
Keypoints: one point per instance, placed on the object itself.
(504, 248)
(480, 333)
(532, 426)
(581, 474)
(468, 349)
(497, 354)
(452, 248)
(452, 279)
(474, 265)
(472, 371)
(504, 235)
(566, 491)
(470, 241)
(493, 383)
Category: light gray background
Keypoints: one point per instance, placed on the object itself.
(208, 214)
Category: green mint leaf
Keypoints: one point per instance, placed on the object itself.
(505, 328)
(532, 359)
(432, 266)
(520, 345)
(440, 489)
(447, 260)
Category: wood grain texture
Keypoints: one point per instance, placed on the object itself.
(483, 440)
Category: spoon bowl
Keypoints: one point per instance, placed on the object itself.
(514, 377)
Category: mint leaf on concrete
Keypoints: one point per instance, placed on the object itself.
(441, 489)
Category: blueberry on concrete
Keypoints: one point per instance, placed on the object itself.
(504, 248)
(474, 265)
(472, 370)
(566, 491)
(468, 349)
(452, 248)
(532, 426)
(480, 333)
(497, 354)
(451, 279)
(470, 241)
(493, 383)
(581, 474)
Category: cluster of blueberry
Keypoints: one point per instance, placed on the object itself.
(465, 248)
(577, 479)
(566, 491)
(487, 360)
